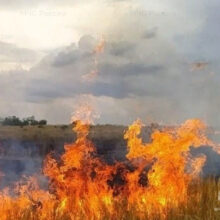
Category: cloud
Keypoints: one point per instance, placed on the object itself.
(144, 71)
(116, 66)
(13, 57)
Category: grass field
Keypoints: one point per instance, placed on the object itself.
(53, 137)
(57, 131)
(201, 202)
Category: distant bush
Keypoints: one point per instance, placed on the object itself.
(42, 122)
(15, 121)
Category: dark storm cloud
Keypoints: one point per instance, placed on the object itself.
(130, 69)
(73, 54)
(66, 58)
(120, 75)
(52, 90)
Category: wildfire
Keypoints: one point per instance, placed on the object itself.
(156, 176)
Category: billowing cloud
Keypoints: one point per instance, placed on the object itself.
(145, 70)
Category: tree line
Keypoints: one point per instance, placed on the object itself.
(16, 121)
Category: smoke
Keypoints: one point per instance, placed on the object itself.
(145, 69)
(17, 159)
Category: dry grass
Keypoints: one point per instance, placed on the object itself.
(34, 132)
(201, 203)
(53, 137)
(57, 131)
(202, 196)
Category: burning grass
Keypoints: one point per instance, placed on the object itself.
(200, 204)
(159, 180)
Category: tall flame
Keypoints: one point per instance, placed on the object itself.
(155, 178)
(160, 177)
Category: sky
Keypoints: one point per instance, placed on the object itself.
(159, 63)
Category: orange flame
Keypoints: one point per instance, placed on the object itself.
(99, 48)
(82, 186)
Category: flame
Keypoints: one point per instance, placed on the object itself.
(156, 176)
(168, 154)
(99, 49)
(100, 46)
(160, 179)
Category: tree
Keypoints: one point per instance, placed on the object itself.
(12, 120)
(42, 122)
(15, 121)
